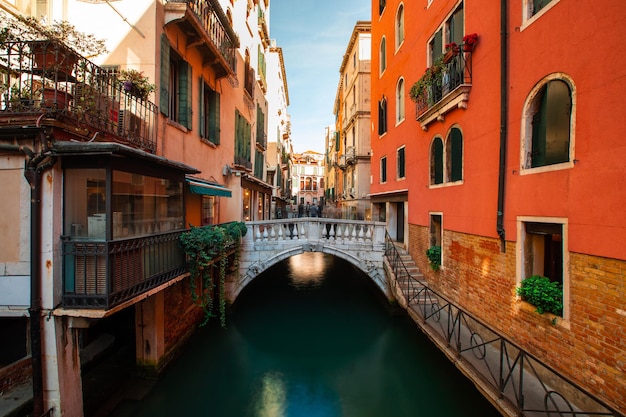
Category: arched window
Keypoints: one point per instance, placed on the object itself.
(547, 134)
(400, 101)
(383, 55)
(382, 116)
(399, 26)
(454, 155)
(436, 161)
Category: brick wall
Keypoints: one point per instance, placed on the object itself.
(182, 315)
(18, 373)
(589, 349)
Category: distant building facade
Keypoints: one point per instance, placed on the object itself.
(352, 115)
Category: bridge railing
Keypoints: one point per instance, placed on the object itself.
(529, 385)
(316, 230)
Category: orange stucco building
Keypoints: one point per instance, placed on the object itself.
(503, 149)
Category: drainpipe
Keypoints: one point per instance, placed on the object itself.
(504, 96)
(32, 173)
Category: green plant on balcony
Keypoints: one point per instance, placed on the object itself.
(434, 257)
(203, 246)
(433, 77)
(135, 83)
(544, 294)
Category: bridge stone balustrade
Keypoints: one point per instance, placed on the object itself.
(362, 243)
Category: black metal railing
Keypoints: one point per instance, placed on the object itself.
(46, 77)
(530, 386)
(216, 25)
(243, 161)
(456, 71)
(104, 274)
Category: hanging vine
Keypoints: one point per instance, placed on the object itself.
(205, 247)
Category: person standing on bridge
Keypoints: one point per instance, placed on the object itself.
(313, 210)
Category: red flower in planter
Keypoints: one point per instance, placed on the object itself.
(469, 41)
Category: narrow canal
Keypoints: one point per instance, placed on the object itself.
(311, 337)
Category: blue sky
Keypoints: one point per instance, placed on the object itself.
(314, 36)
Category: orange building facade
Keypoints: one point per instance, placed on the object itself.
(504, 151)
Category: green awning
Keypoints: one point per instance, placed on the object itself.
(208, 188)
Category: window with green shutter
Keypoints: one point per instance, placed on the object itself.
(175, 91)
(454, 155)
(401, 162)
(551, 124)
(383, 169)
(209, 113)
(436, 161)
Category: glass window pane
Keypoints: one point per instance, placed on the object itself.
(85, 198)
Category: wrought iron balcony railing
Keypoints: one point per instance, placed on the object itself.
(208, 18)
(448, 87)
(103, 274)
(47, 78)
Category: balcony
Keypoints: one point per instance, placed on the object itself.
(350, 155)
(207, 28)
(103, 274)
(44, 83)
(448, 88)
(263, 26)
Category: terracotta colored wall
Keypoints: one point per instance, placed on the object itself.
(583, 45)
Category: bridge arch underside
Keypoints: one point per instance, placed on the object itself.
(373, 268)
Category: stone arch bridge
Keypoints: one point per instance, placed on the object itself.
(362, 243)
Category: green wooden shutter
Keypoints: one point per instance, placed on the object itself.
(214, 117)
(437, 161)
(456, 26)
(237, 134)
(437, 45)
(538, 154)
(201, 110)
(184, 113)
(401, 162)
(164, 82)
(456, 157)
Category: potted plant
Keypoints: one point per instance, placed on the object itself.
(56, 46)
(20, 97)
(544, 294)
(135, 83)
(452, 50)
(434, 257)
(432, 78)
(469, 42)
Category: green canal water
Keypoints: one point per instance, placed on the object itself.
(311, 337)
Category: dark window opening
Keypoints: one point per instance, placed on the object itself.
(551, 125)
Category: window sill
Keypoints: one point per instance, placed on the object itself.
(177, 125)
(547, 318)
(547, 168)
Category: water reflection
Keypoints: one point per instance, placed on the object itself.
(311, 337)
(307, 270)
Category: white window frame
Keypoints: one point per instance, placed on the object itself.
(400, 99)
(520, 259)
(527, 19)
(527, 131)
(399, 29)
